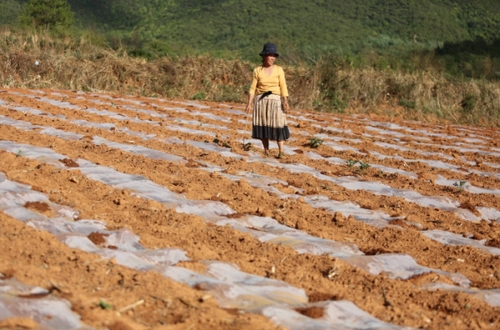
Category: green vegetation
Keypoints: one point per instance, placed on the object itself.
(460, 185)
(52, 14)
(9, 12)
(351, 162)
(363, 166)
(315, 142)
(302, 29)
(105, 305)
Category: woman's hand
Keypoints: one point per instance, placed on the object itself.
(249, 103)
(286, 107)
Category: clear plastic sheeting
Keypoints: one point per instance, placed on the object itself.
(85, 123)
(189, 130)
(448, 238)
(491, 296)
(466, 186)
(377, 188)
(42, 129)
(375, 218)
(143, 187)
(35, 112)
(20, 300)
(339, 315)
(136, 183)
(230, 287)
(215, 212)
(138, 150)
(235, 289)
(215, 148)
(489, 213)
(437, 202)
(400, 266)
(122, 245)
(269, 230)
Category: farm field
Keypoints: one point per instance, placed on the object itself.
(126, 212)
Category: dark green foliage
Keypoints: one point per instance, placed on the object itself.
(48, 14)
(315, 142)
(378, 32)
(9, 11)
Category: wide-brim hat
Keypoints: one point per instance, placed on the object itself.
(269, 49)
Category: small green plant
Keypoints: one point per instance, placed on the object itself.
(315, 142)
(460, 185)
(351, 162)
(105, 305)
(363, 166)
(19, 153)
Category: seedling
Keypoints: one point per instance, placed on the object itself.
(351, 162)
(315, 142)
(460, 185)
(19, 153)
(363, 166)
(105, 305)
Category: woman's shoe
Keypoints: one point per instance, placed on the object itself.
(281, 155)
(266, 153)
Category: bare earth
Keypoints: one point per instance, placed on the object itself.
(218, 163)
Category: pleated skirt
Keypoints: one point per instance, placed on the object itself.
(269, 119)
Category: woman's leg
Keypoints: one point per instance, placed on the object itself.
(281, 146)
(265, 144)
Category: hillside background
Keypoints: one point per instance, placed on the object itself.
(302, 29)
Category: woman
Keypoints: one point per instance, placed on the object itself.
(269, 96)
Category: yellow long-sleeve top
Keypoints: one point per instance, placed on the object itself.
(275, 82)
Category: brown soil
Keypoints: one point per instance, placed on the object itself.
(38, 258)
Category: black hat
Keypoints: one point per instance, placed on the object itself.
(269, 49)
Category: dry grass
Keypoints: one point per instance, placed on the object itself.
(330, 85)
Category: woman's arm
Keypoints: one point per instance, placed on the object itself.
(249, 103)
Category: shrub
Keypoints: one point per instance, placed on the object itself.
(48, 14)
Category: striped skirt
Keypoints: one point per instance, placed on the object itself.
(269, 119)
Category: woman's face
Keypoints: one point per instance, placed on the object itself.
(269, 59)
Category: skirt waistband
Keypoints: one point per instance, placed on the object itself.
(268, 96)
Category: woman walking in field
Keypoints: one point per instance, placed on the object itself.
(269, 96)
